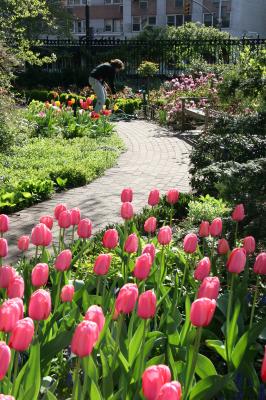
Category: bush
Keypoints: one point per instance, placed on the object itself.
(36, 94)
(207, 208)
(129, 106)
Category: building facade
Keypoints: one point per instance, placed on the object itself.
(126, 18)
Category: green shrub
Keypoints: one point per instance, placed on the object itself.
(129, 106)
(207, 208)
(69, 177)
(36, 94)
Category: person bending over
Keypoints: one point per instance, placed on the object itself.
(104, 74)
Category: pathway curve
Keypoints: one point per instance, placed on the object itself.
(154, 158)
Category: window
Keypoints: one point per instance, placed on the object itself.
(117, 25)
(139, 23)
(76, 2)
(79, 26)
(108, 25)
(143, 4)
(178, 20)
(136, 24)
(113, 1)
(113, 25)
(187, 18)
(179, 3)
(151, 20)
(208, 19)
(225, 18)
(171, 20)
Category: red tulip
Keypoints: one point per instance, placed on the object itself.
(263, 367)
(190, 243)
(216, 227)
(58, 209)
(126, 299)
(236, 261)
(150, 249)
(203, 269)
(41, 235)
(170, 391)
(67, 293)
(40, 305)
(165, 235)
(63, 260)
(5, 358)
(249, 244)
(202, 311)
(110, 239)
(131, 244)
(238, 213)
(22, 335)
(150, 225)
(102, 264)
(127, 195)
(154, 197)
(84, 338)
(85, 228)
(23, 243)
(16, 287)
(204, 229)
(127, 212)
(210, 288)
(7, 273)
(142, 266)
(147, 305)
(3, 247)
(260, 264)
(39, 275)
(223, 247)
(64, 219)
(153, 379)
(4, 223)
(95, 314)
(10, 312)
(75, 216)
(172, 196)
(47, 220)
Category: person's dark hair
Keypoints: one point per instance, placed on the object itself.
(117, 63)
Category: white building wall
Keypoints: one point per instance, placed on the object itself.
(161, 12)
(127, 17)
(248, 16)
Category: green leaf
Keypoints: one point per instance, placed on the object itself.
(233, 329)
(107, 380)
(95, 393)
(54, 346)
(186, 325)
(207, 388)
(135, 343)
(27, 195)
(218, 346)
(204, 367)
(50, 396)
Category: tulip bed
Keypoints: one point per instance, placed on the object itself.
(152, 319)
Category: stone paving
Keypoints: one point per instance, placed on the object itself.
(154, 158)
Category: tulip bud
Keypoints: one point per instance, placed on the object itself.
(154, 197)
(41, 235)
(84, 338)
(6, 397)
(203, 269)
(63, 260)
(131, 244)
(127, 212)
(39, 275)
(172, 196)
(216, 227)
(153, 378)
(236, 261)
(23, 243)
(238, 213)
(202, 311)
(190, 243)
(142, 266)
(67, 293)
(10, 312)
(263, 367)
(58, 209)
(3, 247)
(150, 249)
(75, 216)
(223, 247)
(64, 219)
(85, 228)
(150, 225)
(127, 195)
(4, 223)
(204, 229)
(147, 305)
(7, 273)
(165, 235)
(110, 239)
(40, 305)
(15, 287)
(102, 264)
(126, 299)
(210, 288)
(95, 314)
(249, 244)
(260, 264)
(5, 358)
(22, 335)
(48, 221)
(170, 391)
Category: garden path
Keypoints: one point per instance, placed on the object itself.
(154, 157)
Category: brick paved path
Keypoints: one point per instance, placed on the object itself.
(154, 158)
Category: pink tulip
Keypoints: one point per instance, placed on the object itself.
(4, 223)
(75, 216)
(131, 244)
(165, 235)
(41, 235)
(202, 311)
(5, 358)
(172, 196)
(142, 266)
(39, 275)
(203, 269)
(204, 229)
(95, 314)
(210, 288)
(85, 228)
(150, 249)
(127, 195)
(236, 261)
(249, 244)
(126, 299)
(154, 197)
(216, 227)
(84, 338)
(64, 219)
(16, 287)
(190, 243)
(63, 260)
(238, 213)
(7, 273)
(48, 221)
(10, 313)
(110, 239)
(150, 225)
(153, 379)
(263, 367)
(3, 247)
(67, 293)
(260, 264)
(170, 391)
(102, 264)
(223, 247)
(127, 211)
(23, 243)
(147, 305)
(6, 397)
(40, 305)
(22, 335)
(58, 209)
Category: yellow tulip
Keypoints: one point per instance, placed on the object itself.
(57, 103)
(73, 100)
(116, 107)
(92, 97)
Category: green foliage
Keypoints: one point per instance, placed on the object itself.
(148, 69)
(36, 94)
(129, 106)
(207, 208)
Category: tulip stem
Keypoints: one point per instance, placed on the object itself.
(36, 254)
(1, 261)
(228, 315)
(98, 286)
(15, 373)
(76, 378)
(58, 291)
(171, 215)
(73, 235)
(236, 233)
(142, 349)
(192, 365)
(59, 242)
(254, 303)
(118, 332)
